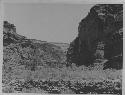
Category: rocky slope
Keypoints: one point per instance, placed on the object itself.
(100, 36)
(25, 49)
(29, 53)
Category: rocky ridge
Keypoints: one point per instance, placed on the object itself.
(29, 48)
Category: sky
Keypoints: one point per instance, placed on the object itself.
(52, 22)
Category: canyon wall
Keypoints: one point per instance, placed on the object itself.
(101, 30)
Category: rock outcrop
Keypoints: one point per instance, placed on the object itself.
(10, 35)
(103, 27)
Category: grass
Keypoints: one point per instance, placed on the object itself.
(67, 80)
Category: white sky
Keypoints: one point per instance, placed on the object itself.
(45, 21)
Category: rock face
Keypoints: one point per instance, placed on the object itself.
(103, 27)
(10, 35)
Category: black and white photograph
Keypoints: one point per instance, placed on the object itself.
(62, 48)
